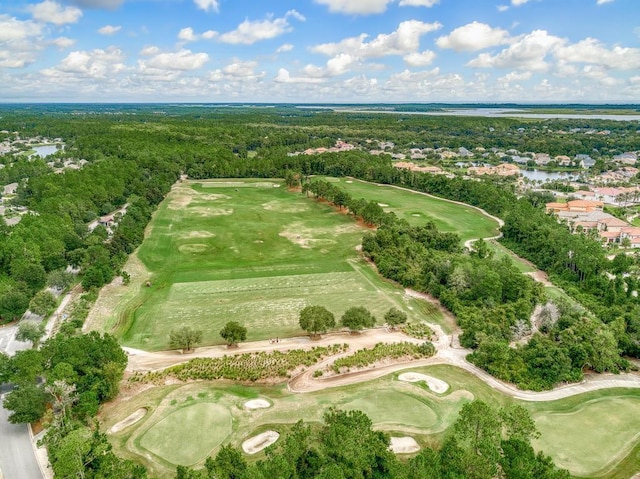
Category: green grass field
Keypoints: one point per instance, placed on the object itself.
(591, 435)
(417, 209)
(255, 253)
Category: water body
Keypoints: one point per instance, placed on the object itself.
(544, 176)
(45, 150)
(500, 113)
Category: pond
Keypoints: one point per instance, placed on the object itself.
(46, 150)
(544, 176)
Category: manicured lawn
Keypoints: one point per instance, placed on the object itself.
(187, 435)
(251, 252)
(417, 209)
(591, 437)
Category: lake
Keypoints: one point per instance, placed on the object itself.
(544, 176)
(45, 150)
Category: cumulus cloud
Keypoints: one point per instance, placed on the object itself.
(593, 51)
(517, 3)
(238, 71)
(52, 12)
(422, 59)
(527, 53)
(287, 47)
(63, 42)
(207, 5)
(109, 29)
(502, 8)
(335, 66)
(12, 29)
(405, 39)
(515, 76)
(181, 60)
(602, 2)
(472, 37)
(97, 64)
(284, 76)
(250, 32)
(358, 7)
(189, 35)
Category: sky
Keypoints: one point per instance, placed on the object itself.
(315, 51)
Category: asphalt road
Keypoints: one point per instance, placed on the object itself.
(17, 459)
(8, 343)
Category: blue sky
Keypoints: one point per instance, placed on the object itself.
(320, 50)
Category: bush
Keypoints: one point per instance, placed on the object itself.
(380, 352)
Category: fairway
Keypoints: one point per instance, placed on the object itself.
(418, 208)
(592, 437)
(252, 252)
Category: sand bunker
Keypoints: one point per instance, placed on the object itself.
(259, 442)
(404, 445)
(257, 404)
(383, 205)
(436, 385)
(128, 421)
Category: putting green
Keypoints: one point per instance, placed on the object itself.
(591, 438)
(393, 407)
(188, 435)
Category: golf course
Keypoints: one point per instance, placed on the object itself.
(255, 252)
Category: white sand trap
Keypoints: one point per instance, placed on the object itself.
(257, 404)
(436, 385)
(416, 214)
(383, 205)
(404, 445)
(259, 442)
(128, 421)
(348, 181)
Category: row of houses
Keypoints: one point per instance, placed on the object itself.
(613, 196)
(583, 216)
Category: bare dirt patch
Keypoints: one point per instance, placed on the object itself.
(284, 207)
(257, 404)
(259, 442)
(435, 384)
(199, 234)
(128, 421)
(404, 445)
(207, 211)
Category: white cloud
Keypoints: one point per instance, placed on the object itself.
(416, 59)
(335, 66)
(502, 8)
(209, 34)
(517, 3)
(591, 50)
(287, 47)
(250, 32)
(418, 3)
(404, 40)
(97, 64)
(63, 42)
(207, 5)
(109, 29)
(472, 37)
(187, 35)
(284, 76)
(52, 12)
(238, 71)
(515, 76)
(602, 2)
(181, 60)
(13, 29)
(150, 50)
(527, 53)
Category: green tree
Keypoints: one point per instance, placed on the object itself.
(184, 338)
(233, 333)
(394, 317)
(43, 303)
(316, 319)
(13, 304)
(27, 403)
(228, 464)
(60, 279)
(31, 331)
(357, 318)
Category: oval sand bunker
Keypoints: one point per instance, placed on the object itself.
(258, 443)
(436, 385)
(257, 404)
(128, 421)
(404, 445)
